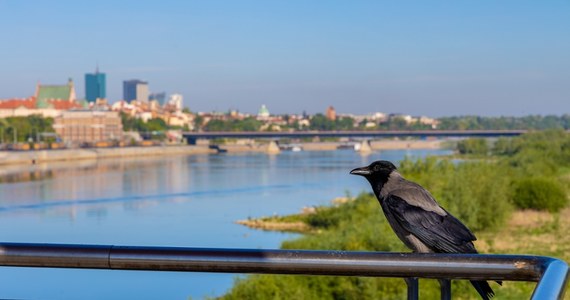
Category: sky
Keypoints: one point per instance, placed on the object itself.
(418, 57)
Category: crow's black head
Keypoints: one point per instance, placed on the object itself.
(377, 171)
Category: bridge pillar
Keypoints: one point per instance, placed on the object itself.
(272, 148)
(365, 147)
(191, 140)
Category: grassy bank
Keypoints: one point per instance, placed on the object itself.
(360, 225)
(488, 194)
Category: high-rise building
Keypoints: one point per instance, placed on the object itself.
(160, 97)
(135, 89)
(95, 86)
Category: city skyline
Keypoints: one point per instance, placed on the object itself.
(437, 59)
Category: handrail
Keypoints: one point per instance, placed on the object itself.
(550, 273)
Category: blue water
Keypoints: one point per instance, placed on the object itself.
(187, 201)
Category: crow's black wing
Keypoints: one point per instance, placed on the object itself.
(441, 233)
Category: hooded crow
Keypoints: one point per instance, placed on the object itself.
(417, 219)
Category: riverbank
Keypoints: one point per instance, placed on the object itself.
(360, 225)
(297, 223)
(42, 156)
(332, 146)
(276, 225)
(404, 144)
(524, 229)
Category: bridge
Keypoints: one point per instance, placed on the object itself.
(191, 137)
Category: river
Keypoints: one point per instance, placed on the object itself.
(187, 201)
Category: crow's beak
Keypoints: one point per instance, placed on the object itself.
(361, 171)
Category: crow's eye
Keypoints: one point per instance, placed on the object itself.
(376, 168)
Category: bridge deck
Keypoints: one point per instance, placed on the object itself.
(355, 134)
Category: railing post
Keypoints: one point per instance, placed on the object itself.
(445, 288)
(553, 281)
(413, 288)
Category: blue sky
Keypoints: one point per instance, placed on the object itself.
(432, 58)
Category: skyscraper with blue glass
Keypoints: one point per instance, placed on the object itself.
(135, 89)
(95, 87)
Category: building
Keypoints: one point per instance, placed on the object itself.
(180, 119)
(331, 113)
(428, 121)
(176, 101)
(159, 97)
(23, 107)
(263, 113)
(95, 86)
(27, 107)
(48, 101)
(135, 89)
(407, 118)
(86, 126)
(48, 93)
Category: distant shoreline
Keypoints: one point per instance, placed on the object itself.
(42, 156)
(332, 146)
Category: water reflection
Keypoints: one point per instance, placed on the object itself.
(190, 201)
(139, 183)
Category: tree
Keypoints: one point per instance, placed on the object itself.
(198, 121)
(25, 128)
(473, 146)
(322, 123)
(344, 123)
(247, 124)
(155, 124)
(526, 122)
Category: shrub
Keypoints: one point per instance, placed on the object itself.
(506, 146)
(473, 146)
(477, 193)
(324, 218)
(359, 225)
(540, 193)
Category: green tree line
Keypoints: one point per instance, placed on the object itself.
(22, 129)
(536, 122)
(152, 125)
(247, 124)
(322, 123)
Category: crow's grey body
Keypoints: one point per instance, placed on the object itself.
(417, 219)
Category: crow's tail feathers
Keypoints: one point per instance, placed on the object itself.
(483, 289)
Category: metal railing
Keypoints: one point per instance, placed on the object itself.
(551, 274)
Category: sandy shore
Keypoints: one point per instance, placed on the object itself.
(403, 144)
(275, 225)
(331, 146)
